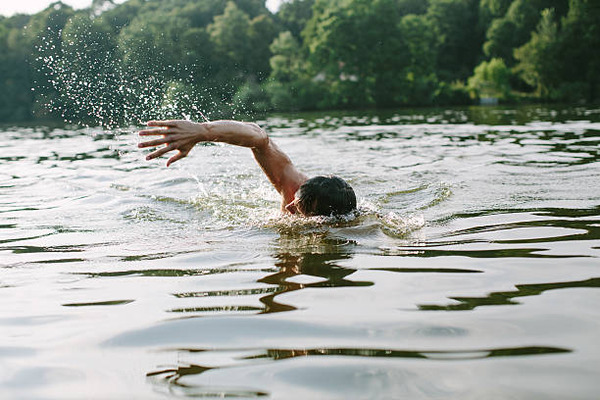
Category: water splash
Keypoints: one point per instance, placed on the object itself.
(95, 84)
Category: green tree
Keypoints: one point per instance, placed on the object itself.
(491, 79)
(511, 31)
(290, 87)
(294, 15)
(122, 15)
(456, 24)
(16, 97)
(495, 8)
(349, 62)
(286, 60)
(557, 61)
(579, 61)
(261, 33)
(515, 27)
(392, 61)
(418, 78)
(417, 7)
(230, 34)
(200, 13)
(135, 58)
(156, 42)
(252, 8)
(536, 58)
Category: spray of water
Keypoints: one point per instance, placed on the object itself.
(97, 85)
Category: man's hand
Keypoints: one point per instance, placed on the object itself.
(176, 135)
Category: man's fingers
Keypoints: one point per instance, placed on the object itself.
(160, 152)
(153, 143)
(168, 123)
(153, 132)
(176, 157)
(162, 125)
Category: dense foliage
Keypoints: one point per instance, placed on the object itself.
(165, 58)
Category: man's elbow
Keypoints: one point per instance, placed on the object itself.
(262, 139)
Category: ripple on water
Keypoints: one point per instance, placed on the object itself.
(316, 369)
(470, 270)
(99, 303)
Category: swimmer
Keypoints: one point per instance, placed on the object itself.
(321, 195)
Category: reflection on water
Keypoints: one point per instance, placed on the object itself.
(319, 268)
(135, 280)
(505, 298)
(100, 303)
(175, 377)
(315, 266)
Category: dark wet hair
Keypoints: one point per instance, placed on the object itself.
(326, 195)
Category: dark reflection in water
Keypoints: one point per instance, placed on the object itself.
(428, 270)
(282, 354)
(570, 225)
(99, 303)
(317, 265)
(172, 376)
(40, 249)
(320, 264)
(532, 252)
(590, 228)
(168, 273)
(506, 298)
(215, 309)
(570, 212)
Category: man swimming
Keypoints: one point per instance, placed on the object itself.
(321, 195)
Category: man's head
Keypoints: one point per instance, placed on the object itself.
(324, 195)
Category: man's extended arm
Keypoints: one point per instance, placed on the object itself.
(184, 135)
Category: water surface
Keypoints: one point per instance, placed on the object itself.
(471, 272)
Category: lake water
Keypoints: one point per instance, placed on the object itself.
(472, 271)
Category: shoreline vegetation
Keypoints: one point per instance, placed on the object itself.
(142, 59)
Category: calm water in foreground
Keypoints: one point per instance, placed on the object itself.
(472, 271)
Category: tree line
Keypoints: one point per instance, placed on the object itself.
(214, 58)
